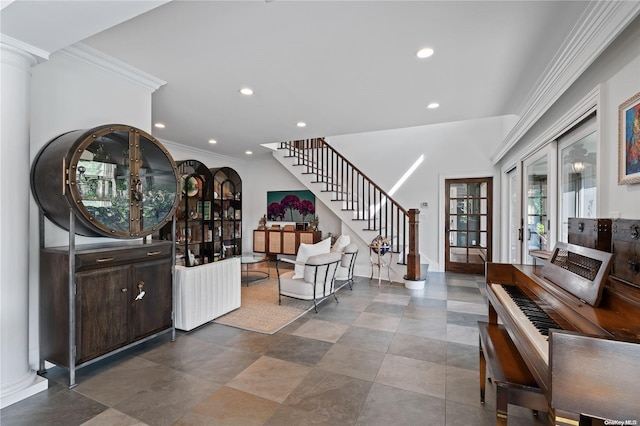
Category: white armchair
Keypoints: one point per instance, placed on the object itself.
(347, 264)
(317, 283)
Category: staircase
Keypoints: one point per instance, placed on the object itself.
(353, 197)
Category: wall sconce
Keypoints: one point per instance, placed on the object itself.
(577, 166)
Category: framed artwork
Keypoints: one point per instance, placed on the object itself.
(629, 141)
(291, 206)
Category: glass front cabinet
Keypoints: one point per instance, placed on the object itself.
(227, 213)
(110, 181)
(193, 234)
(118, 180)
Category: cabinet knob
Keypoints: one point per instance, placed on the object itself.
(124, 290)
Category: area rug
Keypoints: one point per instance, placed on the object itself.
(259, 310)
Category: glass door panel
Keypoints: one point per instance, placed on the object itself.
(537, 232)
(468, 220)
(578, 183)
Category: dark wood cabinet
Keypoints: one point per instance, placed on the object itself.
(101, 312)
(112, 181)
(122, 294)
(194, 221)
(119, 181)
(227, 213)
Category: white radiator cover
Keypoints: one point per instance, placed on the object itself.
(205, 292)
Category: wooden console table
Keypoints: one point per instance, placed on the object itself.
(278, 241)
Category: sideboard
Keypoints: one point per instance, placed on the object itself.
(278, 241)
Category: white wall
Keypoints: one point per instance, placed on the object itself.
(618, 199)
(451, 150)
(269, 175)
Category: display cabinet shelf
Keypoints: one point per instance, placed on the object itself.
(193, 234)
(119, 181)
(227, 213)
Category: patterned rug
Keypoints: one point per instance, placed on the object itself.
(259, 310)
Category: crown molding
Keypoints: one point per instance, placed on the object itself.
(88, 55)
(601, 23)
(33, 53)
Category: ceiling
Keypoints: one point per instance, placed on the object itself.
(339, 66)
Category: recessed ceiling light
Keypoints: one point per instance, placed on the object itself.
(159, 125)
(213, 141)
(301, 124)
(424, 53)
(248, 152)
(433, 105)
(246, 91)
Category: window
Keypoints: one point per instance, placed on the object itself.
(577, 172)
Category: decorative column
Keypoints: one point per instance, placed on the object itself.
(414, 279)
(18, 380)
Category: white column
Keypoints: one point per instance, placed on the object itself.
(17, 379)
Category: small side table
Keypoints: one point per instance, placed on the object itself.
(380, 261)
(245, 263)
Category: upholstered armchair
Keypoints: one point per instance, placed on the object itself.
(347, 264)
(317, 282)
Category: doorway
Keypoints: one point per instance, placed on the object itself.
(468, 221)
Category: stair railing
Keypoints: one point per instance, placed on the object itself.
(369, 203)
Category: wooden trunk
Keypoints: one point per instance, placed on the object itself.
(590, 233)
(626, 247)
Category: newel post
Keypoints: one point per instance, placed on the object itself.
(413, 258)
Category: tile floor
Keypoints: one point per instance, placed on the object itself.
(380, 356)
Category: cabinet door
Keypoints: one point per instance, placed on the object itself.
(289, 245)
(307, 237)
(260, 241)
(275, 242)
(152, 312)
(101, 311)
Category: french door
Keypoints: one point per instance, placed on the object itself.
(539, 203)
(514, 217)
(468, 224)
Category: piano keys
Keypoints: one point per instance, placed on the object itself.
(583, 303)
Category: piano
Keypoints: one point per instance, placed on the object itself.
(573, 295)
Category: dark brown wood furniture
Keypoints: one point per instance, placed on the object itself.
(194, 221)
(625, 245)
(592, 233)
(227, 213)
(514, 383)
(607, 373)
(122, 295)
(119, 181)
(113, 181)
(615, 317)
(278, 241)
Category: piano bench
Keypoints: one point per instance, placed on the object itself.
(514, 383)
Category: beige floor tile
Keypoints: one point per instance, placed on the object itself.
(414, 375)
(377, 322)
(353, 362)
(270, 378)
(228, 406)
(122, 381)
(113, 417)
(321, 330)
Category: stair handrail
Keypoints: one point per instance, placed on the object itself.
(306, 151)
